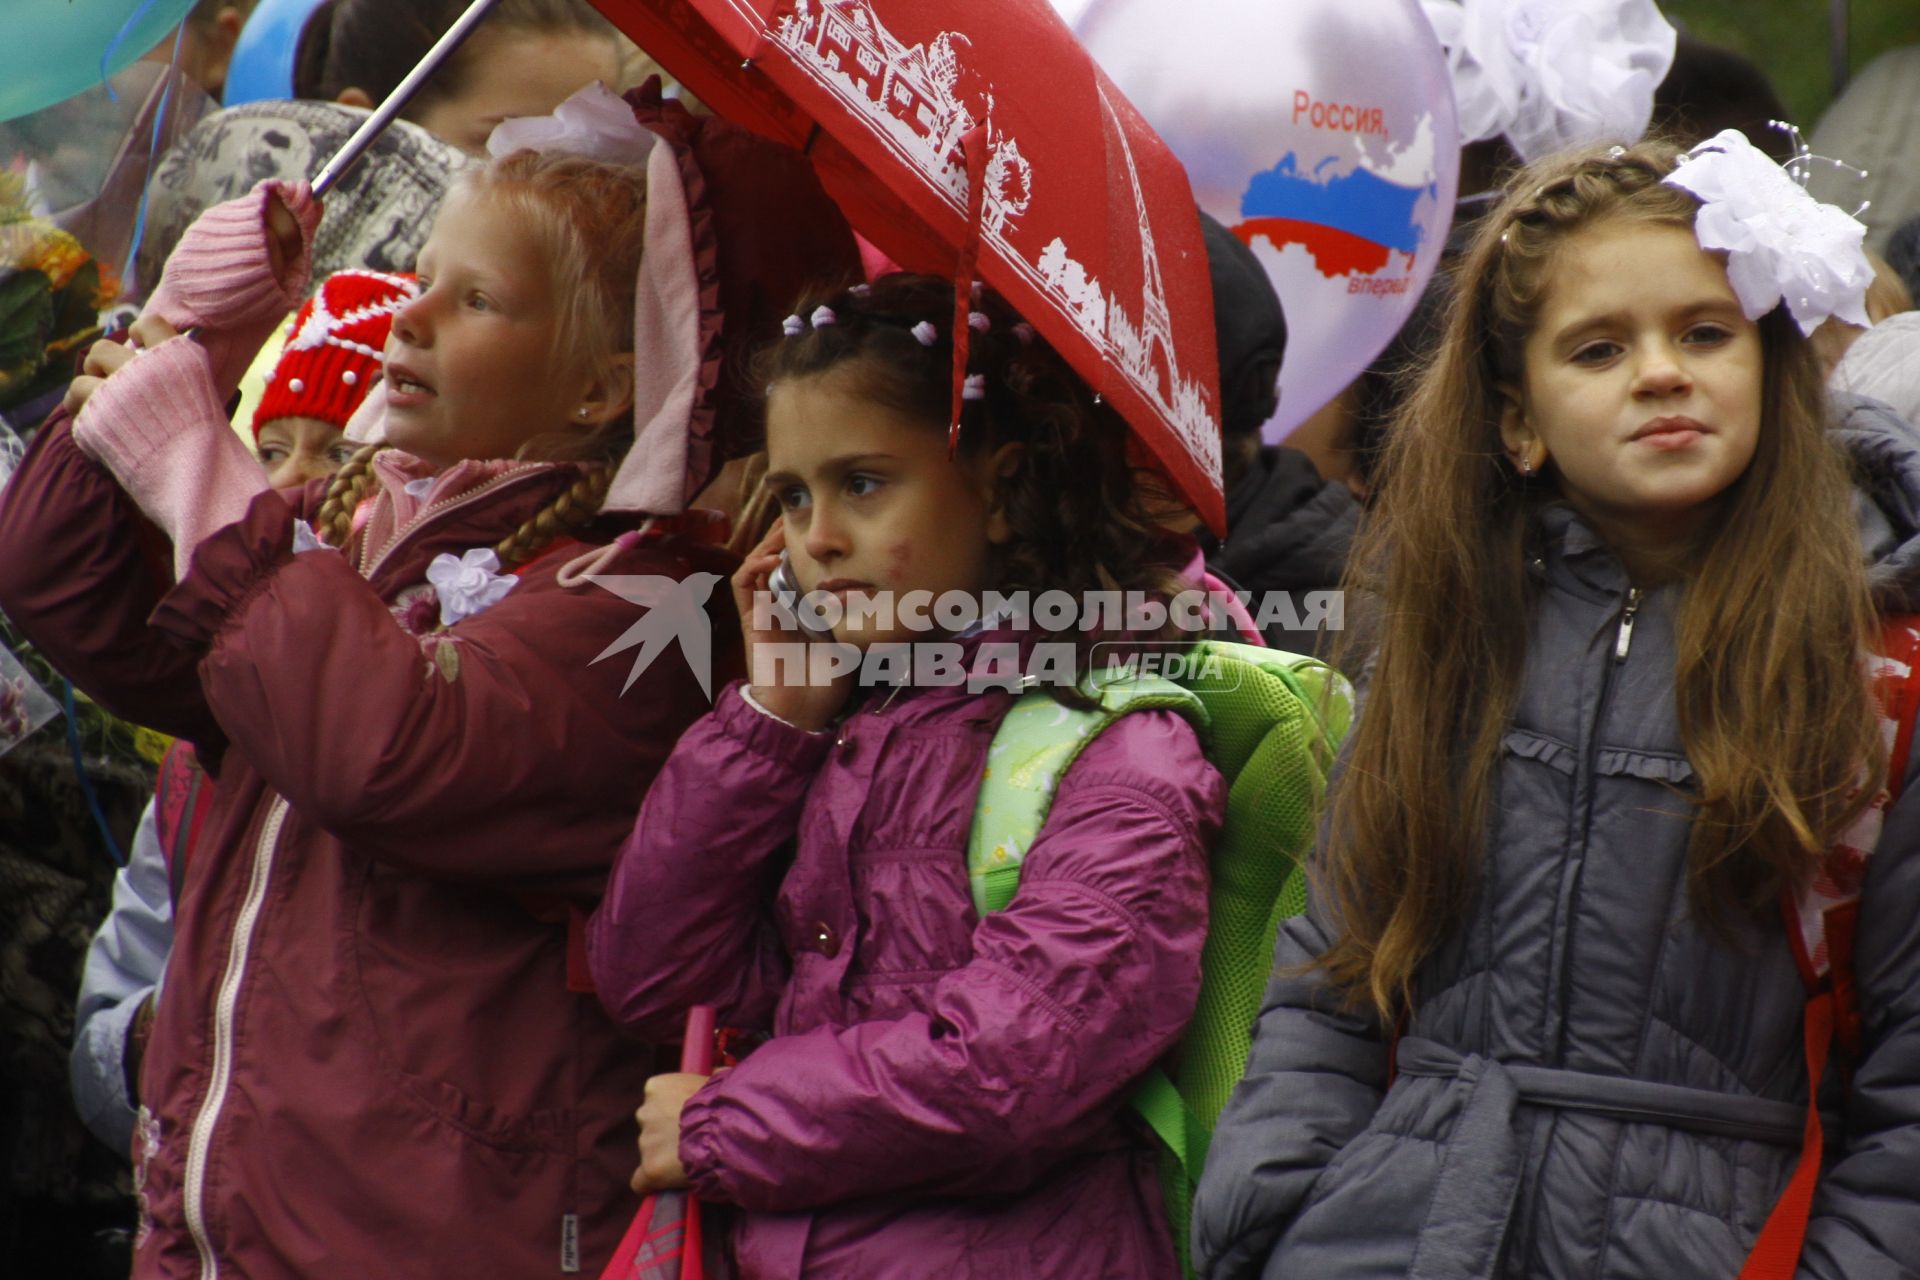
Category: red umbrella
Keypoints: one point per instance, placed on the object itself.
(981, 140)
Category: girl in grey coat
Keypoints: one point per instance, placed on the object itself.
(1542, 1017)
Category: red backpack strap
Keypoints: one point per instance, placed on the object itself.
(1900, 642)
(180, 810)
(1776, 1253)
(1833, 1010)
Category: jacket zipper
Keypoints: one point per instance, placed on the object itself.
(1625, 640)
(1589, 770)
(371, 565)
(238, 947)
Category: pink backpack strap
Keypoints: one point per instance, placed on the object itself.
(1821, 920)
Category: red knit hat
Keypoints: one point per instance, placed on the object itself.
(335, 348)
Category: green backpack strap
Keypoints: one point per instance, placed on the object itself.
(1032, 750)
(1034, 747)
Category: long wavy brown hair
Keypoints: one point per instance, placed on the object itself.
(1772, 700)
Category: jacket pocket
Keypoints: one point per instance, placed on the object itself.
(452, 983)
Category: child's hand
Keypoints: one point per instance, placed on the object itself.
(804, 705)
(237, 272)
(105, 358)
(659, 1116)
(286, 238)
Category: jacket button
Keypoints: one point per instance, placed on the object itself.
(825, 940)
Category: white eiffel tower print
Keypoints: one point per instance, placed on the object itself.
(908, 94)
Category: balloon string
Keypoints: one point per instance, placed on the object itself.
(153, 151)
(144, 8)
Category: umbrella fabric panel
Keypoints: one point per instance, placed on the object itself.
(1086, 221)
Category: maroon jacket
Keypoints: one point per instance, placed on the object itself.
(368, 1060)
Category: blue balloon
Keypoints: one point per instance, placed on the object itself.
(54, 51)
(262, 65)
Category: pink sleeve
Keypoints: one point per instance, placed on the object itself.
(159, 427)
(219, 279)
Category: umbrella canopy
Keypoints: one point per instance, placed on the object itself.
(946, 130)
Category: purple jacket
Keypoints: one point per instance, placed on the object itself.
(944, 1096)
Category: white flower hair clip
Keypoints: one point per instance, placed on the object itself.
(793, 326)
(469, 585)
(975, 387)
(1550, 74)
(822, 316)
(924, 333)
(1781, 243)
(979, 321)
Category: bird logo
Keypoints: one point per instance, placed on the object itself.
(675, 610)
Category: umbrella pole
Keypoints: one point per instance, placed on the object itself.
(376, 124)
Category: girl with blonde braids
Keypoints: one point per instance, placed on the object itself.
(1546, 1014)
(377, 1052)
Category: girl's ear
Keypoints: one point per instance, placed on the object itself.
(1525, 450)
(353, 96)
(999, 467)
(609, 393)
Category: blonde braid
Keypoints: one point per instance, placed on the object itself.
(344, 495)
(573, 509)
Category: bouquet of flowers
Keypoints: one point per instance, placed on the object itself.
(52, 292)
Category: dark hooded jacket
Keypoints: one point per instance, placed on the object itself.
(1287, 530)
(1579, 999)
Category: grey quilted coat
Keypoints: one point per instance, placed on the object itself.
(1591, 1085)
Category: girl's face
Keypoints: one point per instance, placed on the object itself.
(872, 504)
(296, 451)
(518, 73)
(1641, 383)
(470, 371)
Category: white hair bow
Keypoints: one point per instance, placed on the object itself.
(1551, 74)
(594, 123)
(1781, 243)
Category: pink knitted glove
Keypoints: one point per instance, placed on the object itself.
(162, 430)
(220, 278)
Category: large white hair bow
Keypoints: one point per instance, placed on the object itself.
(594, 123)
(1551, 74)
(1780, 242)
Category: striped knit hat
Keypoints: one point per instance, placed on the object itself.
(334, 350)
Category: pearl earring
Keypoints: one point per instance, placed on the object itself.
(582, 412)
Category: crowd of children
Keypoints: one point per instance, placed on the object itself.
(1619, 845)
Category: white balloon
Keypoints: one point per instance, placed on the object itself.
(1071, 10)
(1323, 133)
